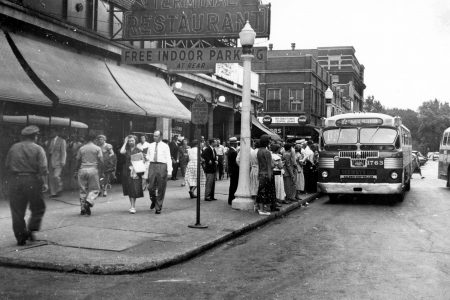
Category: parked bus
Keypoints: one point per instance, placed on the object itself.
(444, 157)
(365, 153)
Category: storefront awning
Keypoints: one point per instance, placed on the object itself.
(264, 129)
(15, 84)
(149, 91)
(76, 79)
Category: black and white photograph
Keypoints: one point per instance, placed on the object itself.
(224, 149)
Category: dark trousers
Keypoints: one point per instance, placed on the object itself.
(174, 170)
(24, 190)
(310, 180)
(234, 179)
(220, 166)
(289, 187)
(157, 182)
(210, 185)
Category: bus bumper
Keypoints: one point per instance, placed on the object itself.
(359, 188)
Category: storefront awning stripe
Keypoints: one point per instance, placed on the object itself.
(15, 84)
(76, 79)
(149, 92)
(263, 128)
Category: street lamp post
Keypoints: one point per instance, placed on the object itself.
(243, 198)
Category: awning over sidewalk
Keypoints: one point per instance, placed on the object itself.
(149, 91)
(76, 79)
(15, 84)
(264, 129)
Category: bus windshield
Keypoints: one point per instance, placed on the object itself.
(341, 136)
(377, 135)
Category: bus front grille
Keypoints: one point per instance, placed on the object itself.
(358, 154)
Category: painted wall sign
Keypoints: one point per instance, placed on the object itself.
(189, 55)
(195, 19)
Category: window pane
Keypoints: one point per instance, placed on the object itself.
(341, 136)
(377, 135)
(103, 21)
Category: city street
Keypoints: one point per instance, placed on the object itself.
(355, 248)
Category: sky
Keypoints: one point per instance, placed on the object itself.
(403, 44)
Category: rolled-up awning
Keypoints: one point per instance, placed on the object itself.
(265, 129)
(149, 91)
(42, 121)
(15, 84)
(76, 79)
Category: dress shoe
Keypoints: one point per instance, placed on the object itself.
(82, 212)
(152, 206)
(31, 236)
(208, 199)
(191, 194)
(87, 208)
(158, 212)
(213, 198)
(21, 242)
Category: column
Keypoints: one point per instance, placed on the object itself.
(210, 122)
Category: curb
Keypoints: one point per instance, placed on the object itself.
(119, 269)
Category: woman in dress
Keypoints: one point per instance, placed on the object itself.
(300, 180)
(278, 174)
(254, 182)
(183, 157)
(266, 193)
(191, 171)
(131, 181)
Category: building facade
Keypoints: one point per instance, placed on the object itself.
(293, 84)
(61, 65)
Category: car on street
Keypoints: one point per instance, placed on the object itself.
(422, 158)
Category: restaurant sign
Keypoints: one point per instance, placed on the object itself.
(194, 19)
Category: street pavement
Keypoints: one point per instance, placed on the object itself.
(113, 241)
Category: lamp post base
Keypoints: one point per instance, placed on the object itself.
(198, 226)
(242, 203)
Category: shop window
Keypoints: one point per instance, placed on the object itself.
(273, 98)
(297, 99)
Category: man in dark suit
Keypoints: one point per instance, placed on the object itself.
(173, 146)
(233, 169)
(209, 155)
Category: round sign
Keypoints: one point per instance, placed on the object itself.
(267, 120)
(199, 111)
(302, 119)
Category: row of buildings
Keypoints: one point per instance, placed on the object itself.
(61, 66)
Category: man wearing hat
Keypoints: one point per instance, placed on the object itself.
(26, 166)
(233, 169)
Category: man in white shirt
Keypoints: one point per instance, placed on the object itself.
(220, 151)
(160, 164)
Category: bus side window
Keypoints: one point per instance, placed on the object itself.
(445, 141)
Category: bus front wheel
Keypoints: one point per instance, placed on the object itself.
(333, 197)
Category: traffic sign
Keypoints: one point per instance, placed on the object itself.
(199, 111)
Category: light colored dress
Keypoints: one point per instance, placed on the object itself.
(191, 170)
(279, 182)
(254, 169)
(300, 180)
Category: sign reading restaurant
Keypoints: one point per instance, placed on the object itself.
(194, 19)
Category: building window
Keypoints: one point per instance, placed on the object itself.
(297, 99)
(273, 98)
(334, 61)
(104, 18)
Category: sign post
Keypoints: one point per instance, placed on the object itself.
(199, 117)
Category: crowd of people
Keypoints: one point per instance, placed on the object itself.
(279, 174)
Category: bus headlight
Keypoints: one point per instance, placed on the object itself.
(324, 174)
(394, 175)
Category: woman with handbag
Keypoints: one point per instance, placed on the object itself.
(131, 178)
(191, 170)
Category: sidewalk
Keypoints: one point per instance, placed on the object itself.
(112, 241)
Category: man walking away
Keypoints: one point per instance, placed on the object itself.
(56, 150)
(210, 157)
(89, 161)
(233, 169)
(157, 172)
(173, 146)
(26, 167)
